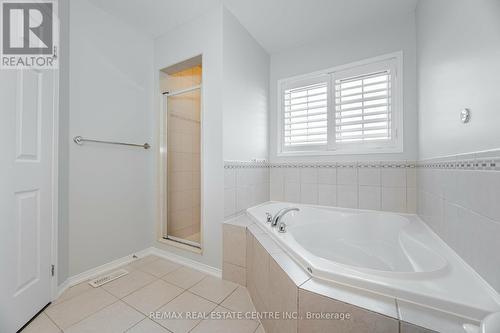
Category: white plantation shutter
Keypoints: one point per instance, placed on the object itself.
(363, 108)
(350, 109)
(305, 116)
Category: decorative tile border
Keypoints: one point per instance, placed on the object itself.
(489, 160)
(245, 164)
(463, 165)
(346, 165)
(265, 164)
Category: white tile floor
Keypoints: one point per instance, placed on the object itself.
(153, 284)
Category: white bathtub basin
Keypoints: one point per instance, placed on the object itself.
(390, 254)
(371, 242)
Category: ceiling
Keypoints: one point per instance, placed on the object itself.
(275, 24)
(156, 17)
(281, 24)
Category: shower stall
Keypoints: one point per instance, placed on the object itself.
(181, 86)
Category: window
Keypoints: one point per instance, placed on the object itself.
(305, 115)
(349, 109)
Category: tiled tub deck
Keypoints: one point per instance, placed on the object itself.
(278, 284)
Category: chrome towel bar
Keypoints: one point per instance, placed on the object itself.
(80, 140)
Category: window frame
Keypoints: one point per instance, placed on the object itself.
(300, 83)
(395, 145)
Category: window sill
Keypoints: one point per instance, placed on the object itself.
(384, 150)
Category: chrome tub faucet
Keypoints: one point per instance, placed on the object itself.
(279, 215)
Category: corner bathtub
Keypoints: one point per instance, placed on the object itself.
(386, 253)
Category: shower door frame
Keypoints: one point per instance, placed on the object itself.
(163, 153)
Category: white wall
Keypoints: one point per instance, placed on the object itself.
(111, 193)
(201, 36)
(340, 48)
(62, 266)
(459, 67)
(246, 90)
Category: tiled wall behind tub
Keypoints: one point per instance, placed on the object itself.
(246, 184)
(388, 186)
(459, 198)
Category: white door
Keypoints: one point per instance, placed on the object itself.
(27, 210)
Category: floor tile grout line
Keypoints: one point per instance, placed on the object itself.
(228, 295)
(206, 299)
(171, 284)
(156, 309)
(187, 291)
(247, 295)
(163, 306)
(172, 271)
(215, 302)
(145, 263)
(204, 276)
(83, 292)
(116, 299)
(128, 329)
(184, 288)
(202, 320)
(159, 279)
(87, 281)
(52, 321)
(101, 287)
(79, 321)
(162, 276)
(176, 298)
(237, 287)
(229, 310)
(257, 328)
(140, 321)
(147, 284)
(199, 281)
(175, 270)
(126, 304)
(197, 324)
(156, 278)
(209, 299)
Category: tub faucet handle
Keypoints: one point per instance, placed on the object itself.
(269, 218)
(279, 215)
(282, 227)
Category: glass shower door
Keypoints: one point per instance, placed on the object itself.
(183, 166)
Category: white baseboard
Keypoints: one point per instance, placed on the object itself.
(61, 288)
(94, 272)
(187, 262)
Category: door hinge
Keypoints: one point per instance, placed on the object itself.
(52, 269)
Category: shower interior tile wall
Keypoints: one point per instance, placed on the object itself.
(183, 137)
(461, 206)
